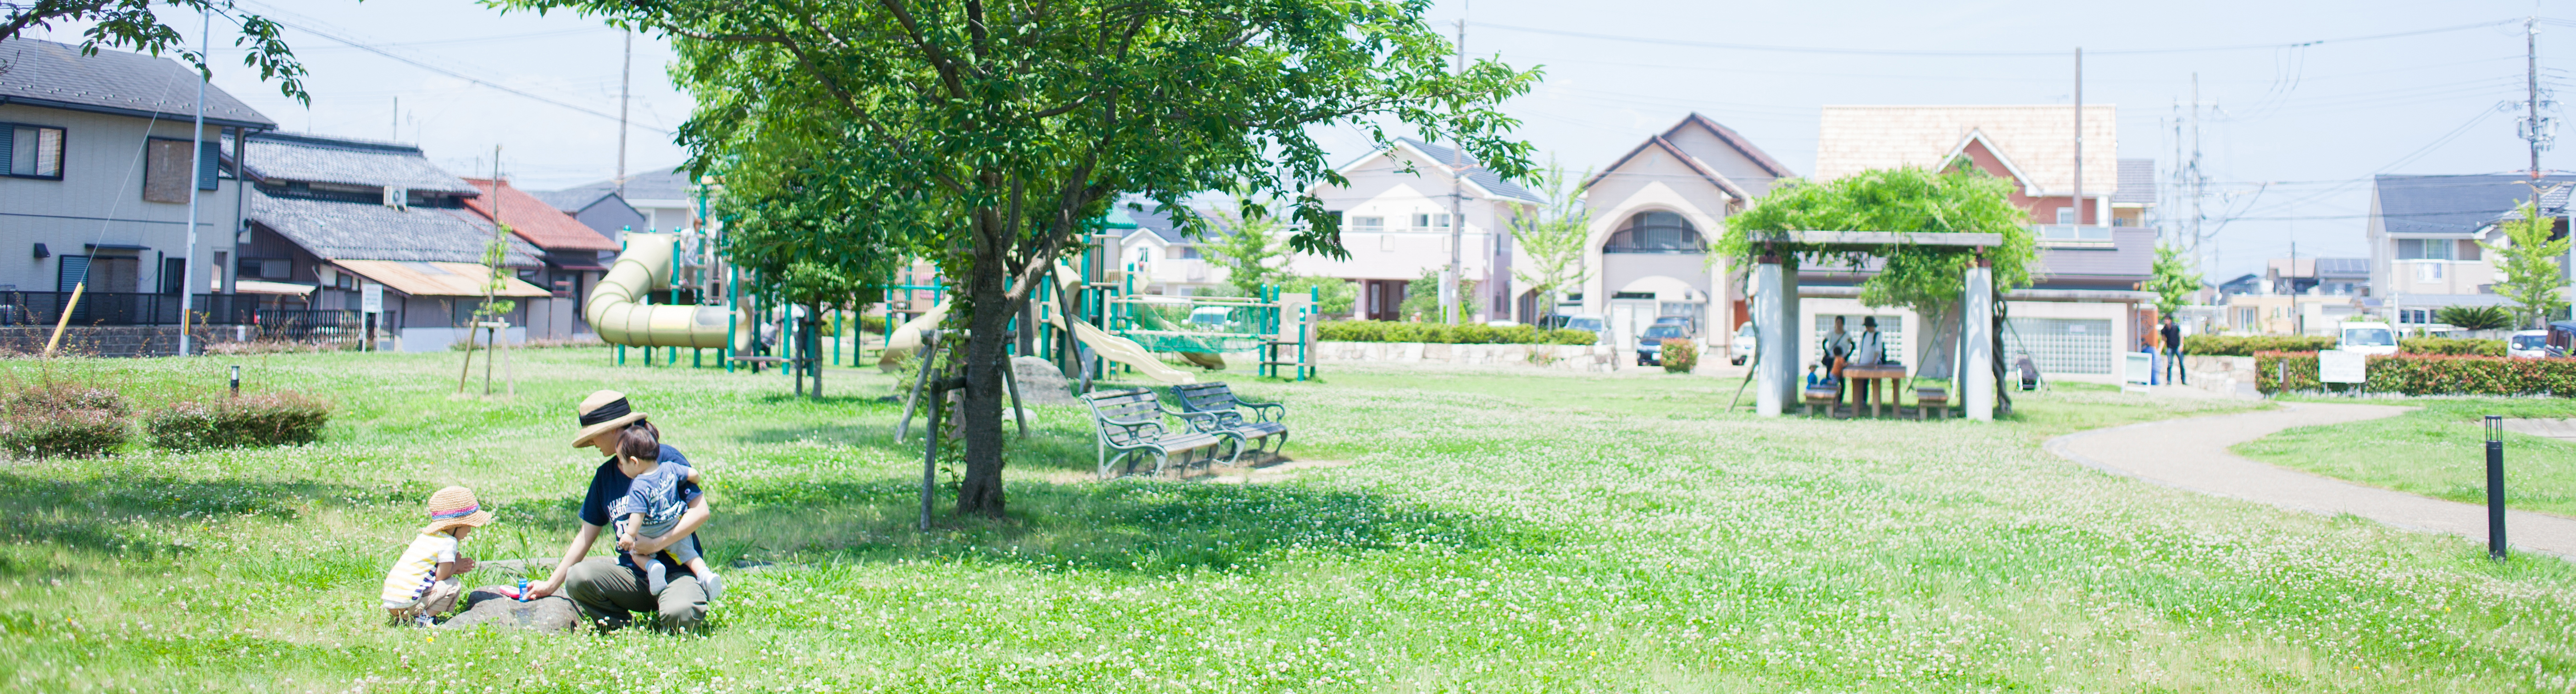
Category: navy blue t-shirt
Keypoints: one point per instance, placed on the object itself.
(609, 485)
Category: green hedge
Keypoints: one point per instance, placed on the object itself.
(2246, 346)
(2428, 374)
(1441, 333)
(2444, 345)
(275, 419)
(63, 421)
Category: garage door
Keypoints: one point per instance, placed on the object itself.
(2061, 345)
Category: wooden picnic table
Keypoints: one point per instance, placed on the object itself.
(1865, 387)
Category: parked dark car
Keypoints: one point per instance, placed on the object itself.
(1650, 345)
(2562, 338)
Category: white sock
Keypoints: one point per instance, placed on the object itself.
(714, 585)
(653, 580)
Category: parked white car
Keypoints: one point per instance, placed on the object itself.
(2368, 338)
(2527, 344)
(1747, 341)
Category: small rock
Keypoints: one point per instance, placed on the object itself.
(492, 605)
(1040, 383)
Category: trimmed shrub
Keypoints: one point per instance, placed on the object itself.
(274, 419)
(2248, 345)
(2299, 369)
(64, 421)
(1679, 355)
(1441, 333)
(2450, 346)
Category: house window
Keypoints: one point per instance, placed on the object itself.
(2424, 249)
(2066, 215)
(28, 151)
(1368, 224)
(1655, 232)
(2428, 272)
(167, 164)
(1431, 221)
(2468, 250)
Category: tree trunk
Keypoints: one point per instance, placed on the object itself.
(988, 293)
(814, 345)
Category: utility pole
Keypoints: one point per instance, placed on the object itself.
(2197, 179)
(2079, 136)
(625, 80)
(1450, 312)
(196, 167)
(2535, 130)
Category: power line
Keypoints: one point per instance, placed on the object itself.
(353, 43)
(1977, 54)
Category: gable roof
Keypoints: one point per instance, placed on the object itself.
(2039, 139)
(279, 157)
(1657, 142)
(368, 231)
(2460, 205)
(2137, 183)
(1438, 158)
(1728, 135)
(1159, 223)
(534, 220)
(56, 75)
(650, 184)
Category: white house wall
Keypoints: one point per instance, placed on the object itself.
(100, 201)
(1654, 181)
(1728, 161)
(1400, 251)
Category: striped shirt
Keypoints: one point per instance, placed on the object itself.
(417, 569)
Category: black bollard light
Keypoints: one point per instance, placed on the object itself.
(2495, 487)
(236, 380)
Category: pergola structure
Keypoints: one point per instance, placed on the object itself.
(1775, 309)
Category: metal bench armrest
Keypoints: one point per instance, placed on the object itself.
(1262, 410)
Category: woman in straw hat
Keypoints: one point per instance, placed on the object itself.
(610, 589)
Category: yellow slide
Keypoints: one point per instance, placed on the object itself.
(1124, 351)
(616, 310)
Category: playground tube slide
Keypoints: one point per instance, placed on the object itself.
(1124, 351)
(617, 312)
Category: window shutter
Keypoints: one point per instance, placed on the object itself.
(209, 164)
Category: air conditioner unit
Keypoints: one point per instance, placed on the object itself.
(398, 197)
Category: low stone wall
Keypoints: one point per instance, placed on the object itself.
(1569, 357)
(2218, 374)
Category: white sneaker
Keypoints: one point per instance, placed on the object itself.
(653, 577)
(424, 620)
(715, 586)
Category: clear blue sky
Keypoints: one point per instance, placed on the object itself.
(2311, 122)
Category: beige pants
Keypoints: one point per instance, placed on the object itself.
(440, 598)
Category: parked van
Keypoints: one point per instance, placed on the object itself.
(2527, 344)
(2367, 338)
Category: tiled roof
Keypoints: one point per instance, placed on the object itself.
(286, 157)
(2137, 182)
(2319, 267)
(651, 184)
(369, 231)
(569, 201)
(2131, 257)
(1482, 177)
(2038, 140)
(2450, 204)
(536, 221)
(45, 73)
(1160, 223)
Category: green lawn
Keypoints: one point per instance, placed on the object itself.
(2438, 451)
(1466, 531)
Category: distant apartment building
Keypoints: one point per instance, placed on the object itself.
(2295, 296)
(2424, 233)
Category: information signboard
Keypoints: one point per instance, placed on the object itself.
(2338, 366)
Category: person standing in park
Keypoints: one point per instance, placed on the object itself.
(610, 589)
(1837, 348)
(2174, 371)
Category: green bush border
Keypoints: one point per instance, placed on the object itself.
(1442, 333)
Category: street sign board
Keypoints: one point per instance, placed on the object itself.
(2338, 366)
(371, 298)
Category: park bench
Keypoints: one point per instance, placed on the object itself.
(1930, 402)
(1131, 423)
(1268, 420)
(1830, 396)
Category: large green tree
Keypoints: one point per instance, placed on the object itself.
(2528, 266)
(2171, 279)
(1555, 236)
(136, 25)
(995, 129)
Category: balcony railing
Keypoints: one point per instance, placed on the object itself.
(2071, 233)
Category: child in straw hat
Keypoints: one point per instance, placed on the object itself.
(425, 582)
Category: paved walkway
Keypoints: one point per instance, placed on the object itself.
(2192, 454)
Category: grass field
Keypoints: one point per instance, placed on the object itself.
(2437, 451)
(1449, 531)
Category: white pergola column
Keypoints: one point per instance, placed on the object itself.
(1792, 333)
(1771, 338)
(1977, 380)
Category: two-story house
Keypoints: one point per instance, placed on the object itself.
(2085, 306)
(333, 215)
(575, 255)
(1396, 222)
(1653, 213)
(96, 168)
(2424, 233)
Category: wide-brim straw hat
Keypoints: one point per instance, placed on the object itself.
(603, 412)
(455, 506)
